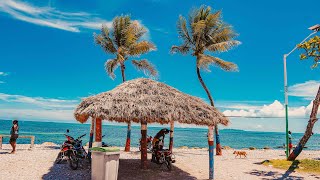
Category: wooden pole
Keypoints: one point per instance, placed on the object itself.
(171, 135)
(127, 147)
(91, 137)
(211, 157)
(98, 130)
(143, 145)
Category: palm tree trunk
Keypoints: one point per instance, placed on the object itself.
(218, 146)
(127, 146)
(308, 133)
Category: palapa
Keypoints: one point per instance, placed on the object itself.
(151, 101)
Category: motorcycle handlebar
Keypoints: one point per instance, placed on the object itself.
(81, 136)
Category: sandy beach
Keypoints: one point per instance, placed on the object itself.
(191, 164)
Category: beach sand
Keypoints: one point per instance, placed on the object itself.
(191, 164)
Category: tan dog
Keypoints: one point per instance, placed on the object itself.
(240, 153)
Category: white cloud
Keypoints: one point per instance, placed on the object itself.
(36, 114)
(306, 90)
(275, 109)
(51, 17)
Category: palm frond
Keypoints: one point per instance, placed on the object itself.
(204, 61)
(141, 48)
(145, 66)
(120, 23)
(198, 27)
(183, 49)
(110, 66)
(223, 46)
(183, 30)
(105, 41)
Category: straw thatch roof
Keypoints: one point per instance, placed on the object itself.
(144, 99)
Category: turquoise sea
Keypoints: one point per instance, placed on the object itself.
(116, 134)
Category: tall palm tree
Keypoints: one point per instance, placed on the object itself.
(311, 50)
(204, 33)
(123, 41)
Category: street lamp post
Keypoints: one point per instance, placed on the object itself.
(315, 29)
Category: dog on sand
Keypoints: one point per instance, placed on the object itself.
(240, 153)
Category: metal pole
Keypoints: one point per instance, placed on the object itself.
(286, 102)
(211, 157)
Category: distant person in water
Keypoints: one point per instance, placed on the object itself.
(68, 131)
(14, 132)
(290, 141)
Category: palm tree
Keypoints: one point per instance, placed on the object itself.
(311, 50)
(123, 41)
(206, 32)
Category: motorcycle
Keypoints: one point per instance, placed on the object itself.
(149, 144)
(162, 156)
(72, 150)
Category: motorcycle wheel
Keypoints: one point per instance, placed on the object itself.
(169, 164)
(73, 161)
(59, 158)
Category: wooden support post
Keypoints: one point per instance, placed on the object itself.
(127, 147)
(98, 130)
(211, 157)
(171, 135)
(143, 145)
(91, 138)
(32, 142)
(1, 142)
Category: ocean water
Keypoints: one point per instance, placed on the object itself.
(116, 135)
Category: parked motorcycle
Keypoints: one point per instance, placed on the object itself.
(162, 156)
(149, 143)
(72, 150)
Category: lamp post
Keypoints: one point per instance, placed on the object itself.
(314, 30)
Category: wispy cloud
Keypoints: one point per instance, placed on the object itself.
(306, 90)
(39, 101)
(36, 108)
(3, 74)
(51, 17)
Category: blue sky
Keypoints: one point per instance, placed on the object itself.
(48, 59)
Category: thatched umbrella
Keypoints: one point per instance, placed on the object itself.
(148, 101)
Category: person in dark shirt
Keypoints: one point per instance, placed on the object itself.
(159, 136)
(14, 132)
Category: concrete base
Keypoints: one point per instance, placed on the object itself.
(97, 144)
(105, 165)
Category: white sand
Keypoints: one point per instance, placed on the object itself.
(191, 164)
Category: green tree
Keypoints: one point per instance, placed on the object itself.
(311, 50)
(205, 32)
(123, 41)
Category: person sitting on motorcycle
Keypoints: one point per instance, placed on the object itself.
(156, 146)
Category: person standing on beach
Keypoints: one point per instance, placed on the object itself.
(290, 141)
(14, 135)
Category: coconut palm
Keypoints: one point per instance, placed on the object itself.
(205, 32)
(123, 41)
(311, 50)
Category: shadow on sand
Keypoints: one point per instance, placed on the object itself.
(129, 169)
(275, 174)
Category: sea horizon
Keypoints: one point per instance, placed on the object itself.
(184, 136)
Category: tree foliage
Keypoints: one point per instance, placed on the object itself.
(206, 32)
(311, 50)
(123, 40)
